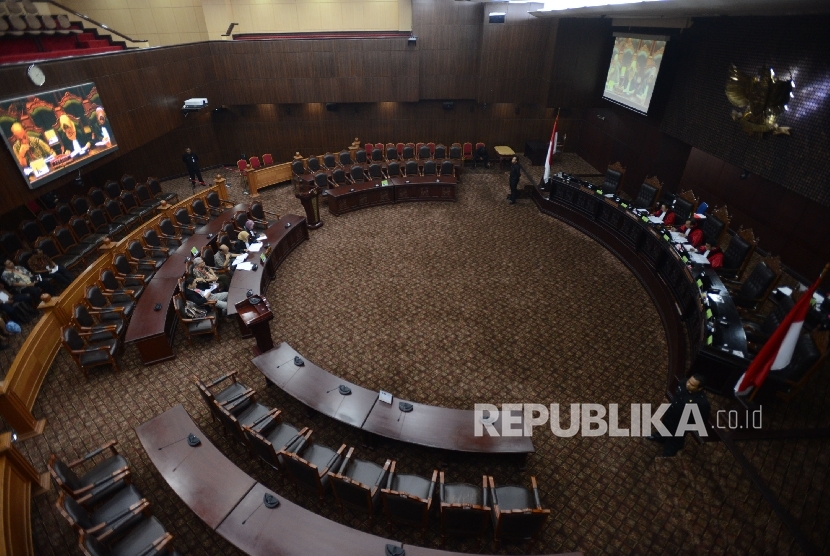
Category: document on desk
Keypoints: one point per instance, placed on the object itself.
(245, 266)
(698, 258)
(262, 237)
(641, 211)
(239, 260)
(678, 238)
(655, 219)
(254, 247)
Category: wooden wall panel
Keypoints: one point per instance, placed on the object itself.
(579, 61)
(142, 92)
(788, 224)
(311, 129)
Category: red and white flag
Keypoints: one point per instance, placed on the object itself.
(777, 352)
(551, 148)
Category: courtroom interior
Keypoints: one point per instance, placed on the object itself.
(264, 260)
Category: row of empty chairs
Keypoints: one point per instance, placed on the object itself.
(102, 505)
(267, 160)
(421, 151)
(364, 487)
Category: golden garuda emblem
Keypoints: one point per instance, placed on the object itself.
(761, 99)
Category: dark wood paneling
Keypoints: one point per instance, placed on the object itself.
(788, 224)
(582, 46)
(142, 91)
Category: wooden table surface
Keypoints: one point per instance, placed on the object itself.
(208, 482)
(426, 425)
(290, 530)
(315, 387)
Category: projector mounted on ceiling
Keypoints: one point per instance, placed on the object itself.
(193, 105)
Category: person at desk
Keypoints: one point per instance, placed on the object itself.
(713, 253)
(73, 141)
(27, 148)
(224, 258)
(200, 297)
(202, 273)
(692, 232)
(690, 393)
(42, 265)
(665, 214)
(21, 279)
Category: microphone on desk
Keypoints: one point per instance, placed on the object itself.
(344, 390)
(192, 441)
(405, 407)
(268, 500)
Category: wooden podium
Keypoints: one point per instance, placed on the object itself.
(253, 321)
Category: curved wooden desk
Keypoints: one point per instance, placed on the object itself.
(152, 331)
(230, 501)
(426, 425)
(346, 198)
(656, 264)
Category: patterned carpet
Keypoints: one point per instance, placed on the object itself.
(453, 304)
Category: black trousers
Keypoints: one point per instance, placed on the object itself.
(671, 444)
(195, 173)
(514, 192)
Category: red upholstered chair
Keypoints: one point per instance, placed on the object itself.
(368, 147)
(242, 165)
(477, 146)
(431, 146)
(255, 162)
(418, 149)
(467, 151)
(379, 146)
(399, 147)
(267, 159)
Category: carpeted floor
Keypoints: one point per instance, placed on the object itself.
(454, 304)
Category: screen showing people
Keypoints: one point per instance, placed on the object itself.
(635, 63)
(52, 133)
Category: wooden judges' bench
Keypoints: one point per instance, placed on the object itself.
(231, 503)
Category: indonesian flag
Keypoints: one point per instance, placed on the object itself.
(777, 353)
(551, 148)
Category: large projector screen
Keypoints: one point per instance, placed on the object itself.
(51, 133)
(635, 62)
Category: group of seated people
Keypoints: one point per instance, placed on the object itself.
(693, 232)
(21, 287)
(206, 285)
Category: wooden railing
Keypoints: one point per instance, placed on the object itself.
(20, 388)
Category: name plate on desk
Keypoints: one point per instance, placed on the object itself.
(385, 397)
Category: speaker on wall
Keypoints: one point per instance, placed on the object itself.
(332, 106)
(497, 17)
(412, 41)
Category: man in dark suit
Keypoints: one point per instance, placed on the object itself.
(191, 160)
(515, 173)
(689, 393)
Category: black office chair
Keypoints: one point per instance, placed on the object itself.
(407, 499)
(345, 158)
(517, 512)
(424, 153)
(112, 189)
(96, 485)
(440, 152)
(313, 164)
(649, 193)
(408, 152)
(329, 161)
(613, 179)
(393, 169)
(339, 177)
(753, 291)
(126, 269)
(737, 255)
(465, 509)
(375, 171)
(298, 167)
(308, 465)
(412, 168)
(357, 174)
(377, 155)
(391, 154)
(447, 168)
(112, 519)
(715, 225)
(759, 328)
(357, 483)
(360, 156)
(430, 168)
(271, 438)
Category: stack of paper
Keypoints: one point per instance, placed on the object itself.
(698, 258)
(254, 247)
(245, 266)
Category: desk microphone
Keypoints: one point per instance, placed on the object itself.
(268, 500)
(405, 407)
(192, 440)
(344, 390)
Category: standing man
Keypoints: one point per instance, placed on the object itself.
(690, 393)
(191, 160)
(515, 173)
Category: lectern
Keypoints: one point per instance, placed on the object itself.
(254, 314)
(309, 196)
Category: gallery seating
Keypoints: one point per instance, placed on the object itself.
(87, 354)
(357, 483)
(95, 330)
(101, 302)
(148, 255)
(146, 537)
(230, 392)
(111, 284)
(517, 512)
(113, 518)
(407, 499)
(271, 437)
(465, 509)
(308, 465)
(99, 483)
(195, 326)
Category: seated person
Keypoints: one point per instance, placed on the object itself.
(713, 253)
(200, 297)
(41, 264)
(224, 258)
(4, 335)
(23, 281)
(481, 155)
(241, 244)
(692, 232)
(27, 148)
(665, 213)
(101, 130)
(16, 307)
(73, 140)
(201, 273)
